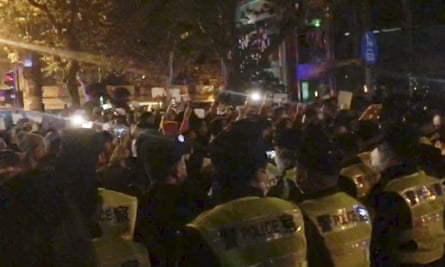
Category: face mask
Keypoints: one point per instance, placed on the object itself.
(282, 163)
(379, 160)
(437, 121)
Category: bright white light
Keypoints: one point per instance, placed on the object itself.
(87, 125)
(365, 89)
(255, 96)
(77, 120)
(392, 30)
(347, 33)
(27, 63)
(316, 93)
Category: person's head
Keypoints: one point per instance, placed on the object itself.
(286, 144)
(146, 120)
(121, 96)
(40, 227)
(164, 160)
(239, 159)
(76, 167)
(33, 146)
(267, 130)
(52, 141)
(319, 158)
(10, 165)
(278, 113)
(108, 147)
(95, 90)
(199, 126)
(217, 126)
(400, 145)
(368, 133)
(347, 143)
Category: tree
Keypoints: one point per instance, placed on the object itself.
(73, 25)
(217, 22)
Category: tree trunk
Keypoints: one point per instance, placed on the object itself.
(71, 83)
(33, 80)
(233, 81)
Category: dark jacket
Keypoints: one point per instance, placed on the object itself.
(163, 212)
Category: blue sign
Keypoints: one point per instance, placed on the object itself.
(369, 49)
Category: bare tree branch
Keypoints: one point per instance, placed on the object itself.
(45, 9)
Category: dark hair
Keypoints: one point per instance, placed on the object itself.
(160, 155)
(403, 140)
(318, 152)
(96, 89)
(216, 126)
(39, 226)
(237, 156)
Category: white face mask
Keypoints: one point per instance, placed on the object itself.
(280, 163)
(379, 160)
(283, 164)
(437, 121)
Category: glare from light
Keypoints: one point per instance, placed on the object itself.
(27, 62)
(316, 93)
(255, 96)
(87, 125)
(347, 34)
(365, 89)
(77, 120)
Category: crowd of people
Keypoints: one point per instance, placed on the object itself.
(257, 185)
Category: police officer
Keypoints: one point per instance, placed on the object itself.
(246, 228)
(356, 177)
(282, 173)
(117, 219)
(408, 229)
(338, 227)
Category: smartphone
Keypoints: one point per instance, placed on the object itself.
(119, 132)
(271, 154)
(106, 106)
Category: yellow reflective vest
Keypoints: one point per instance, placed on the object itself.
(120, 253)
(424, 197)
(345, 227)
(362, 176)
(255, 231)
(274, 176)
(115, 247)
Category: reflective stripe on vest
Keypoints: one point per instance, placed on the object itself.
(255, 231)
(424, 198)
(362, 176)
(345, 226)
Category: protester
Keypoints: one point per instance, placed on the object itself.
(33, 148)
(168, 205)
(40, 227)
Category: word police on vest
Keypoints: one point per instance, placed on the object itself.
(343, 219)
(260, 230)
